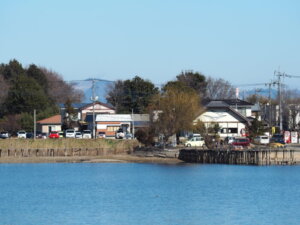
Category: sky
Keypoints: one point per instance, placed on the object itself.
(242, 42)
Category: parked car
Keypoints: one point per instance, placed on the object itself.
(70, 133)
(54, 134)
(61, 134)
(276, 145)
(277, 138)
(29, 135)
(87, 134)
(229, 140)
(21, 134)
(78, 134)
(41, 135)
(241, 142)
(128, 136)
(262, 140)
(4, 135)
(195, 142)
(101, 134)
(120, 134)
(193, 135)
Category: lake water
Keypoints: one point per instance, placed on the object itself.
(113, 194)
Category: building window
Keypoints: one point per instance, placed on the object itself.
(229, 131)
(112, 128)
(232, 130)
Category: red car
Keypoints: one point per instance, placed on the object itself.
(241, 142)
(54, 134)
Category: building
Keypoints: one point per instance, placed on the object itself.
(232, 115)
(83, 110)
(110, 123)
(47, 125)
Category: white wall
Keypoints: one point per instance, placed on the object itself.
(224, 119)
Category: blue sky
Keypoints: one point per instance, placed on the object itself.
(239, 41)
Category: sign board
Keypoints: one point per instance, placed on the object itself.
(294, 137)
(287, 137)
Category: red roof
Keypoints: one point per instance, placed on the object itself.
(51, 120)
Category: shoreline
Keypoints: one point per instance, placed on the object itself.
(91, 159)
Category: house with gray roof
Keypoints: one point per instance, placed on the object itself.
(232, 115)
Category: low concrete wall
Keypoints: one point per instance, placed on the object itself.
(248, 157)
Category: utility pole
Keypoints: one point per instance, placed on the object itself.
(270, 108)
(279, 75)
(93, 99)
(132, 118)
(270, 104)
(34, 124)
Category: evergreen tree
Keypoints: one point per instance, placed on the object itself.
(12, 70)
(256, 128)
(23, 90)
(131, 95)
(25, 95)
(37, 74)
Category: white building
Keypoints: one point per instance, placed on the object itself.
(110, 123)
(232, 115)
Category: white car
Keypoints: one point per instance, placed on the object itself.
(120, 134)
(262, 140)
(4, 135)
(78, 134)
(195, 142)
(87, 134)
(70, 133)
(229, 140)
(21, 134)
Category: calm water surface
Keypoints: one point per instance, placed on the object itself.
(70, 194)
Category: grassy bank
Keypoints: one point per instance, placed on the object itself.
(63, 143)
(77, 150)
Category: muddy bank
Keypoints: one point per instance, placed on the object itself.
(86, 151)
(92, 159)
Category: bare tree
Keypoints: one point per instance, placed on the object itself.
(11, 123)
(59, 90)
(219, 89)
(291, 109)
(176, 110)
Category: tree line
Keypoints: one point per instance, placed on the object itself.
(173, 107)
(24, 89)
(177, 103)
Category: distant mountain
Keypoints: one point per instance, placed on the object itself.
(263, 92)
(101, 87)
(259, 91)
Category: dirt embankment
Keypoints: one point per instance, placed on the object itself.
(85, 151)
